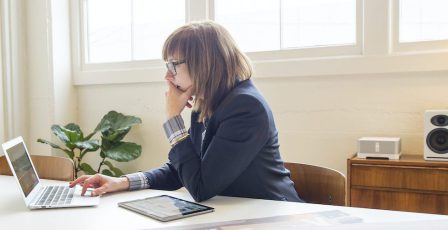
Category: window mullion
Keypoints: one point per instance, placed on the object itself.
(132, 30)
(198, 10)
(376, 27)
(280, 26)
(85, 31)
(211, 9)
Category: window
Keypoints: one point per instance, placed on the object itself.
(423, 20)
(133, 30)
(120, 41)
(129, 30)
(264, 25)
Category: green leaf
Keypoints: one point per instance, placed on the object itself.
(57, 131)
(91, 145)
(72, 136)
(116, 170)
(74, 132)
(71, 154)
(105, 145)
(124, 151)
(116, 121)
(87, 169)
(66, 135)
(107, 172)
(115, 135)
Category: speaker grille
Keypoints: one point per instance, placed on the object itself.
(437, 140)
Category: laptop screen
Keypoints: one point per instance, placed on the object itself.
(23, 168)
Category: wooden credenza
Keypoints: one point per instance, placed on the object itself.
(409, 184)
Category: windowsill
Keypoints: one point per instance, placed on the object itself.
(327, 66)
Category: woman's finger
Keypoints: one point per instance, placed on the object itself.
(90, 182)
(100, 191)
(79, 180)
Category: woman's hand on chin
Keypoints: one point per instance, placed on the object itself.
(177, 99)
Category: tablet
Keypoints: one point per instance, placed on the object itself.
(165, 208)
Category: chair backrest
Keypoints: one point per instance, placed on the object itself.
(317, 184)
(47, 167)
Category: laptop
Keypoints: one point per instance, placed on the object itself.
(35, 194)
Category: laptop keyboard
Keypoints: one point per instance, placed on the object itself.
(55, 196)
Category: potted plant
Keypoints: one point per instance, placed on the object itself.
(113, 127)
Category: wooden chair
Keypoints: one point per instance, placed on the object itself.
(47, 167)
(317, 184)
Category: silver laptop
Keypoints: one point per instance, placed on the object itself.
(35, 194)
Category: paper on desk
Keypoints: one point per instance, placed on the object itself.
(304, 220)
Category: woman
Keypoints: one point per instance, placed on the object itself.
(231, 148)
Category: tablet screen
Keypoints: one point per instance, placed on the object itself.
(165, 207)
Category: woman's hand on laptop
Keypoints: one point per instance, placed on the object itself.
(102, 184)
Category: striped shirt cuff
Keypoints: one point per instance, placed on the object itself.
(175, 130)
(137, 181)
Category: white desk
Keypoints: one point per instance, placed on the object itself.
(14, 214)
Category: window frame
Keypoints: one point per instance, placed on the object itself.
(151, 70)
(311, 52)
(97, 73)
(418, 46)
(376, 51)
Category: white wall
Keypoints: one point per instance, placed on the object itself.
(40, 79)
(319, 118)
(52, 97)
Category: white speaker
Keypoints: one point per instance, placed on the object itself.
(436, 135)
(379, 147)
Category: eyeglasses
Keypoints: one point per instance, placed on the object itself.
(171, 66)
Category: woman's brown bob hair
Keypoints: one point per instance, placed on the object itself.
(214, 61)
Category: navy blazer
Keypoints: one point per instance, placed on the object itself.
(238, 155)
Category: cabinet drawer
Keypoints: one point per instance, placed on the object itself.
(400, 177)
(400, 201)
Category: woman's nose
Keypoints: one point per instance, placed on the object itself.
(169, 76)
